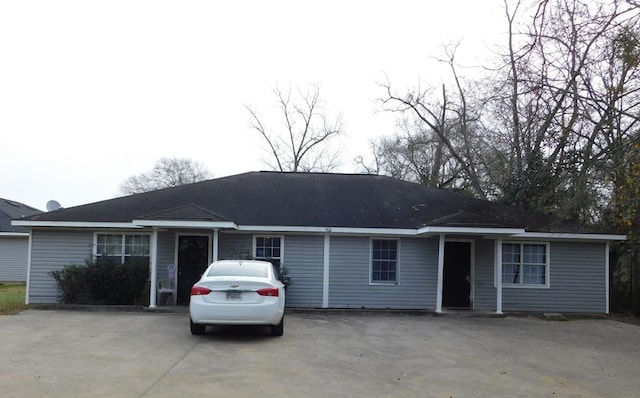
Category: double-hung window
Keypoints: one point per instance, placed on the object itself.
(268, 248)
(121, 248)
(384, 261)
(525, 264)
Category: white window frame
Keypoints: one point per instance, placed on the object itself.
(384, 283)
(255, 247)
(123, 237)
(547, 268)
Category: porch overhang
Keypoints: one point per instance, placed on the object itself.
(437, 230)
(199, 224)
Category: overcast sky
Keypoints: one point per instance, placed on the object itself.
(92, 92)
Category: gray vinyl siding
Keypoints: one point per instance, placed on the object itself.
(51, 251)
(165, 252)
(484, 284)
(304, 263)
(577, 282)
(235, 246)
(576, 276)
(349, 277)
(14, 252)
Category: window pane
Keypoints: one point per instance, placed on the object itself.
(510, 253)
(384, 254)
(533, 275)
(510, 273)
(534, 254)
(268, 248)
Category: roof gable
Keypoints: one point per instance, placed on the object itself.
(10, 210)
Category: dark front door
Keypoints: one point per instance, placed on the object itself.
(193, 258)
(456, 284)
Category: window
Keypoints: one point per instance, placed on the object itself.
(384, 261)
(269, 248)
(525, 264)
(121, 248)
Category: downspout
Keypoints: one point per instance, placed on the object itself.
(153, 263)
(440, 274)
(499, 277)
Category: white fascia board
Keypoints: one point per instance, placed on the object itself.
(470, 230)
(15, 234)
(568, 236)
(74, 224)
(184, 224)
(325, 230)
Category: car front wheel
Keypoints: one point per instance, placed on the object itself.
(196, 329)
(278, 330)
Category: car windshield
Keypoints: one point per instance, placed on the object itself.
(239, 269)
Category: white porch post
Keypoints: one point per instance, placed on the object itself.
(28, 287)
(215, 245)
(499, 276)
(153, 263)
(606, 275)
(325, 276)
(440, 274)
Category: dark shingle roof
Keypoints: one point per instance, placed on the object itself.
(10, 210)
(311, 199)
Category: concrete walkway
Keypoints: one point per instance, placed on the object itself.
(122, 354)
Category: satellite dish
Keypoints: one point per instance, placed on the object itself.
(53, 205)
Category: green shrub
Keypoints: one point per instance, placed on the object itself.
(71, 282)
(103, 282)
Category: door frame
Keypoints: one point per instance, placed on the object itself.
(472, 266)
(176, 246)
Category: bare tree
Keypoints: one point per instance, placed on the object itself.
(167, 172)
(303, 142)
(446, 123)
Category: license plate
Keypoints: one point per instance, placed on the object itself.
(233, 294)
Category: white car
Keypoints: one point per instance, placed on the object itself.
(238, 292)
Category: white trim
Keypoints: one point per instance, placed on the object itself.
(14, 234)
(28, 286)
(123, 235)
(469, 230)
(253, 250)
(433, 230)
(547, 284)
(184, 224)
(325, 274)
(564, 236)
(74, 224)
(384, 283)
(332, 230)
(498, 256)
(153, 263)
(215, 250)
(472, 267)
(606, 276)
(440, 273)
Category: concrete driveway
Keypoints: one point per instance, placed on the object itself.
(111, 354)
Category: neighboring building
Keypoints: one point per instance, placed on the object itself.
(14, 241)
(346, 241)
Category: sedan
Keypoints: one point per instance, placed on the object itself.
(238, 292)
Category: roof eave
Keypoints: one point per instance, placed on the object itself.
(73, 224)
(186, 224)
(569, 236)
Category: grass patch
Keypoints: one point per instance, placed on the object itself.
(12, 298)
